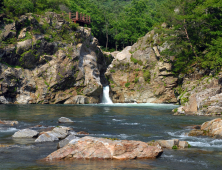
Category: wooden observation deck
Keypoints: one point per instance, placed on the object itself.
(80, 18)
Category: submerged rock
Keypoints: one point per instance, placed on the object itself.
(25, 133)
(6, 122)
(101, 148)
(82, 133)
(64, 120)
(170, 144)
(196, 132)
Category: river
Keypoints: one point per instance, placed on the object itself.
(143, 122)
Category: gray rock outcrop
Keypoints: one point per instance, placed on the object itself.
(57, 133)
(47, 137)
(68, 139)
(60, 64)
(139, 74)
(200, 97)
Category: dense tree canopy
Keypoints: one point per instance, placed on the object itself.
(194, 26)
(196, 33)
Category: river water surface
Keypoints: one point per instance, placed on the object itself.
(143, 122)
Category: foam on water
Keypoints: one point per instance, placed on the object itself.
(121, 136)
(186, 160)
(129, 123)
(8, 129)
(116, 120)
(197, 141)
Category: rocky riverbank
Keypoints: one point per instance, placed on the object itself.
(211, 128)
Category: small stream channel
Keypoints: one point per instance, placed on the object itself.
(143, 122)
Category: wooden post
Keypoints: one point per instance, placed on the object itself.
(70, 15)
(89, 20)
(77, 15)
(86, 18)
(80, 16)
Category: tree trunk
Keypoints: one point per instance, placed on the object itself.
(116, 40)
(187, 36)
(107, 37)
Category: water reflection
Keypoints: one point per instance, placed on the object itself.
(100, 164)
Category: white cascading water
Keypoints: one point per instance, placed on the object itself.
(106, 99)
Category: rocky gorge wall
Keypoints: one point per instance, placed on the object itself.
(139, 74)
(48, 60)
(45, 59)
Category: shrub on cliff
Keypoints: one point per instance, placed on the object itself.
(147, 76)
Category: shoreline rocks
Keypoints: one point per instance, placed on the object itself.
(211, 128)
(101, 148)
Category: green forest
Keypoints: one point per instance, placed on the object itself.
(193, 26)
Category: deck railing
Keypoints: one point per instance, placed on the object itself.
(79, 17)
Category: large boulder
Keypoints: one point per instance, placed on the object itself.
(25, 133)
(101, 148)
(61, 132)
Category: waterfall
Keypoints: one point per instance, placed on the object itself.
(106, 99)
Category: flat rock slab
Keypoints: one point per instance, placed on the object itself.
(64, 120)
(25, 133)
(46, 137)
(101, 148)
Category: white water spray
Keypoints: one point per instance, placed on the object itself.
(106, 99)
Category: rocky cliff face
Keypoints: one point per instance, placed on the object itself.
(45, 59)
(200, 93)
(139, 74)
